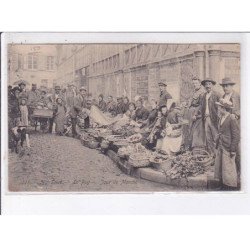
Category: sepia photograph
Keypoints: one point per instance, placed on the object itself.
(123, 117)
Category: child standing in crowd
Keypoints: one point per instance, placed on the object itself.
(24, 112)
(60, 116)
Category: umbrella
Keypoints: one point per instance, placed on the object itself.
(16, 83)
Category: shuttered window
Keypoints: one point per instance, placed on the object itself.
(32, 61)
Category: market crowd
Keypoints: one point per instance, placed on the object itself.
(208, 120)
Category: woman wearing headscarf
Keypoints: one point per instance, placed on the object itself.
(101, 104)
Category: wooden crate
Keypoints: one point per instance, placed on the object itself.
(43, 113)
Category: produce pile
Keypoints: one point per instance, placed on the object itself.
(128, 140)
(184, 166)
(131, 149)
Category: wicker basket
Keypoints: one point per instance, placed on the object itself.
(104, 144)
(208, 161)
(89, 142)
(137, 161)
(93, 144)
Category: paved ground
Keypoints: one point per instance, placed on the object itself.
(60, 164)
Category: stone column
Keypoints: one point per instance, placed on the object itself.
(127, 82)
(199, 59)
(214, 64)
(153, 78)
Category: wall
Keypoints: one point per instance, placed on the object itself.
(135, 69)
(18, 64)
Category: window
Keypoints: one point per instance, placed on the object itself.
(50, 62)
(20, 58)
(32, 61)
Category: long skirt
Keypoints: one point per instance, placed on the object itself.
(225, 168)
(197, 136)
(171, 145)
(60, 120)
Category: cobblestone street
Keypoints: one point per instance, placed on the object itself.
(60, 164)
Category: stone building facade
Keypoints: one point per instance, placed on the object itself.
(135, 69)
(33, 63)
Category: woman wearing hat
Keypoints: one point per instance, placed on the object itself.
(227, 142)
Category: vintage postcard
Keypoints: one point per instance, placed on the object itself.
(123, 117)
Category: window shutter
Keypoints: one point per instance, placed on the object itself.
(25, 62)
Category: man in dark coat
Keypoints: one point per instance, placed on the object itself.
(111, 106)
(120, 107)
(209, 113)
(164, 95)
(232, 96)
(227, 143)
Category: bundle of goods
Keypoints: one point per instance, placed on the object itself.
(140, 156)
(115, 138)
(118, 140)
(202, 158)
(183, 166)
(124, 131)
(89, 141)
(135, 138)
(124, 152)
(93, 132)
(160, 161)
(100, 118)
(104, 144)
(104, 132)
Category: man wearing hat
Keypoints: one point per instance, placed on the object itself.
(230, 95)
(70, 95)
(209, 113)
(80, 102)
(33, 98)
(227, 143)
(164, 95)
